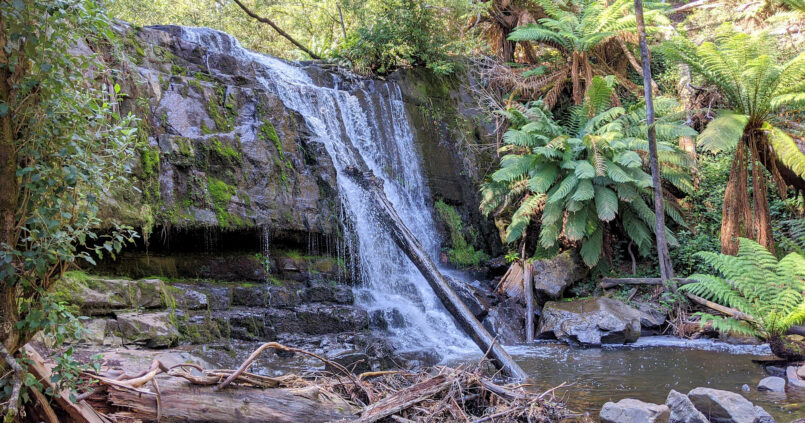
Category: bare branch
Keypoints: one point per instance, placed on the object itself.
(13, 408)
(276, 28)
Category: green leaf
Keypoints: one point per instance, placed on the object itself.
(723, 133)
(591, 247)
(606, 203)
(584, 170)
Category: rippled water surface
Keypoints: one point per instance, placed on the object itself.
(649, 370)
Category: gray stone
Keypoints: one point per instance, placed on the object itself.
(327, 293)
(590, 322)
(771, 384)
(761, 416)
(154, 330)
(506, 322)
(95, 331)
(553, 276)
(682, 409)
(187, 298)
(722, 406)
(251, 295)
(794, 380)
(634, 411)
(651, 317)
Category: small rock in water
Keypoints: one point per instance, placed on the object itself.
(722, 406)
(682, 410)
(794, 380)
(771, 384)
(745, 388)
(634, 411)
(801, 372)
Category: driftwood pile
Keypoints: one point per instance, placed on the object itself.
(185, 392)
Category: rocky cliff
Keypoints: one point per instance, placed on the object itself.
(220, 153)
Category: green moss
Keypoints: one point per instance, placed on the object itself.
(149, 160)
(225, 151)
(178, 70)
(461, 253)
(221, 194)
(268, 133)
(224, 120)
(196, 86)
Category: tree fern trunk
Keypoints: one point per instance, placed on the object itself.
(736, 215)
(760, 200)
(666, 268)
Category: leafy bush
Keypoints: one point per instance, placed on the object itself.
(588, 175)
(755, 283)
(400, 33)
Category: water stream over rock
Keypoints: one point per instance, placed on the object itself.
(363, 124)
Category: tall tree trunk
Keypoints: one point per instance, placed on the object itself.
(9, 197)
(736, 215)
(686, 96)
(666, 268)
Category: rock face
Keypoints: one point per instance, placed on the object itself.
(634, 411)
(722, 406)
(590, 322)
(771, 384)
(794, 380)
(683, 410)
(553, 276)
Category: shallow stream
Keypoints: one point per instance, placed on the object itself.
(649, 369)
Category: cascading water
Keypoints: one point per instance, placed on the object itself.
(366, 125)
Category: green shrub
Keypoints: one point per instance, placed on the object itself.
(461, 253)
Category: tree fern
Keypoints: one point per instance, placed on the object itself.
(762, 93)
(755, 283)
(588, 175)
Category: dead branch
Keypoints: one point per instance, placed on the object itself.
(13, 407)
(276, 28)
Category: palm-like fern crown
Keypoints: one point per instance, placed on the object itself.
(586, 173)
(758, 88)
(756, 284)
(582, 25)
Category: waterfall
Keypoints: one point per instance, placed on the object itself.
(365, 124)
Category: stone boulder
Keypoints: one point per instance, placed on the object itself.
(722, 406)
(553, 276)
(590, 322)
(651, 316)
(506, 322)
(794, 380)
(154, 330)
(474, 301)
(683, 410)
(771, 384)
(317, 319)
(634, 411)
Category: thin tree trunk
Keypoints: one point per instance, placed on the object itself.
(528, 290)
(341, 18)
(276, 28)
(635, 65)
(666, 268)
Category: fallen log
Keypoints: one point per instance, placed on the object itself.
(403, 399)
(407, 242)
(607, 283)
(178, 401)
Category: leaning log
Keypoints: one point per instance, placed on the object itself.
(607, 283)
(407, 242)
(528, 289)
